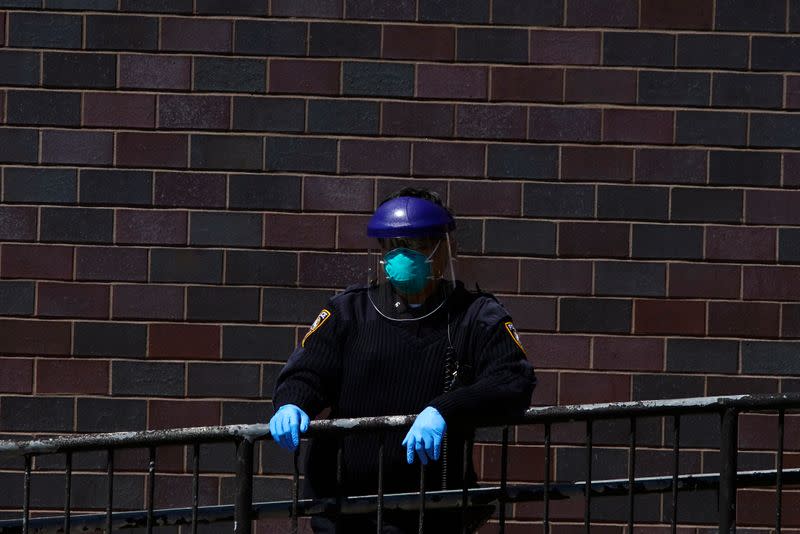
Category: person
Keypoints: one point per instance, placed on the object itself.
(411, 340)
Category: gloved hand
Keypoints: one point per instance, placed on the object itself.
(287, 424)
(425, 436)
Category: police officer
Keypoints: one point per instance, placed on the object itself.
(411, 339)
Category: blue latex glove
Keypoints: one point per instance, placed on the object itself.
(287, 424)
(425, 436)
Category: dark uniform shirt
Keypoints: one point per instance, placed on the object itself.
(361, 364)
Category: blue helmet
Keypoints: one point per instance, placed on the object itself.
(410, 217)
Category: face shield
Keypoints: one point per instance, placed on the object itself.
(411, 269)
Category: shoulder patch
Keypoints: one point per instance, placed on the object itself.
(514, 335)
(321, 318)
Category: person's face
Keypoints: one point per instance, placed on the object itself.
(433, 248)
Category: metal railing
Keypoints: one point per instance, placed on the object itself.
(243, 510)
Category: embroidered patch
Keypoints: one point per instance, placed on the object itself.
(321, 318)
(514, 335)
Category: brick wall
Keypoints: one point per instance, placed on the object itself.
(184, 183)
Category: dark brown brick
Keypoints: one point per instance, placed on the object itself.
(491, 122)
(593, 239)
(36, 261)
(741, 243)
(427, 43)
(222, 304)
(227, 152)
(680, 317)
(790, 320)
(527, 84)
(116, 187)
(556, 277)
(628, 354)
(791, 169)
(330, 270)
(520, 237)
(195, 34)
(56, 108)
(582, 388)
(331, 39)
(41, 338)
(119, 110)
(684, 14)
(300, 231)
(307, 8)
(771, 283)
(452, 82)
(416, 118)
(18, 223)
(793, 92)
(532, 313)
(559, 351)
(736, 15)
(223, 380)
(772, 207)
(731, 385)
(226, 228)
(564, 47)
(374, 157)
(260, 267)
(88, 301)
(183, 112)
(565, 124)
(152, 150)
(337, 194)
(17, 376)
(691, 280)
(638, 48)
(200, 190)
(485, 198)
(184, 342)
(448, 159)
(271, 38)
(111, 264)
(301, 76)
(667, 241)
(72, 376)
(148, 302)
(155, 72)
(352, 234)
(77, 147)
(637, 126)
(80, 225)
(606, 164)
(490, 274)
(671, 165)
(743, 319)
(615, 13)
(279, 192)
(151, 227)
(182, 413)
(118, 32)
(600, 85)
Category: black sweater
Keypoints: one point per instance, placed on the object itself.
(361, 364)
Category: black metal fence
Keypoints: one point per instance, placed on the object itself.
(243, 510)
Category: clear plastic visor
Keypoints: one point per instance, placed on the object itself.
(410, 278)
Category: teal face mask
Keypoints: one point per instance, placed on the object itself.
(408, 270)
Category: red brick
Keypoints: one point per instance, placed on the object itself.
(88, 301)
(743, 319)
(18, 223)
(491, 122)
(300, 231)
(737, 385)
(193, 112)
(560, 123)
(532, 313)
(593, 239)
(791, 169)
(152, 150)
(155, 72)
(452, 82)
(694, 280)
(772, 207)
(337, 269)
(432, 43)
(448, 159)
(151, 227)
(584, 388)
(120, 110)
(148, 302)
(353, 234)
(39, 338)
(485, 198)
(77, 147)
(606, 164)
(740, 243)
(338, 194)
(771, 283)
(758, 507)
(182, 414)
(793, 92)
(558, 352)
(417, 119)
(304, 76)
(564, 47)
(111, 264)
(17, 375)
(374, 157)
(72, 376)
(680, 317)
(184, 342)
(491, 274)
(195, 34)
(637, 126)
(556, 277)
(36, 261)
(528, 463)
(196, 190)
(684, 14)
(546, 391)
(628, 354)
(600, 85)
(527, 84)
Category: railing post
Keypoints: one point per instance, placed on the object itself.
(727, 474)
(243, 503)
